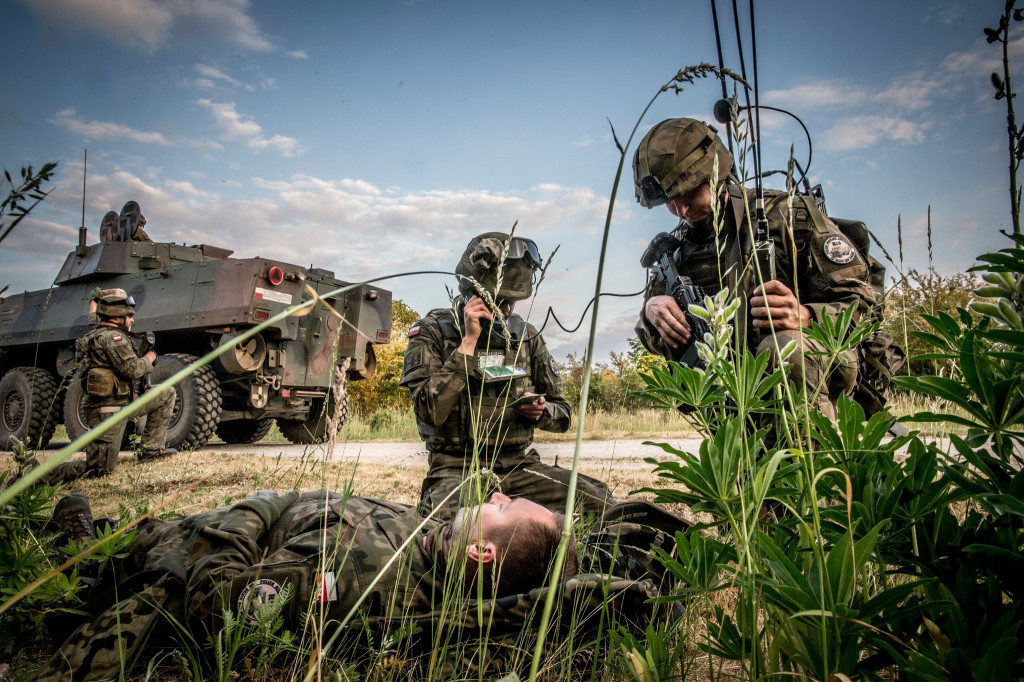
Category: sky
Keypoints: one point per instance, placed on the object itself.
(376, 138)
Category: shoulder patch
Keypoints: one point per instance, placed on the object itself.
(117, 338)
(839, 250)
(413, 331)
(261, 591)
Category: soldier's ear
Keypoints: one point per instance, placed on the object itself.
(483, 556)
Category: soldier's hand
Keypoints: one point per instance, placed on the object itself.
(668, 318)
(474, 311)
(532, 411)
(151, 356)
(786, 311)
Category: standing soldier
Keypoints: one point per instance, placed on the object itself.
(480, 386)
(675, 165)
(112, 368)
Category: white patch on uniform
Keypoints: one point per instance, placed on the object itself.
(262, 591)
(117, 338)
(839, 250)
(413, 331)
(486, 360)
(326, 587)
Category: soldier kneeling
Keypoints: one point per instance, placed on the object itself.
(112, 370)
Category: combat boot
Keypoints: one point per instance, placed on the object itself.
(73, 516)
(149, 454)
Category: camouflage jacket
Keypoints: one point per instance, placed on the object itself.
(454, 406)
(109, 349)
(824, 269)
(326, 550)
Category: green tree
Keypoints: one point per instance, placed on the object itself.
(381, 391)
(922, 294)
(613, 384)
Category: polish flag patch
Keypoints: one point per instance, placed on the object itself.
(414, 331)
(117, 338)
(327, 587)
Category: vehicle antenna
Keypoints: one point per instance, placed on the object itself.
(82, 232)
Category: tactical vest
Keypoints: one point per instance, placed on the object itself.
(480, 413)
(101, 380)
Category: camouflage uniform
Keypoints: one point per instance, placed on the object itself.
(826, 287)
(453, 414)
(328, 549)
(109, 355)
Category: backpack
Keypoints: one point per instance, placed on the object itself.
(880, 357)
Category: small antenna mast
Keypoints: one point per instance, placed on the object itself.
(82, 232)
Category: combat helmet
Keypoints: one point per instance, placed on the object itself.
(481, 260)
(676, 156)
(115, 303)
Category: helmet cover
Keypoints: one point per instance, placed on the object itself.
(675, 157)
(481, 261)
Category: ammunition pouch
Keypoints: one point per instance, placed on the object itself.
(103, 383)
(99, 383)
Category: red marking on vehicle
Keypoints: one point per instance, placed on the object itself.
(276, 275)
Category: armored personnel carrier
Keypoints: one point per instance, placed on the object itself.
(193, 299)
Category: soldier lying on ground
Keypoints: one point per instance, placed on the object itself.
(327, 547)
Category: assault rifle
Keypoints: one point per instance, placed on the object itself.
(658, 258)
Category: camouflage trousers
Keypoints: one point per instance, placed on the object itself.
(517, 475)
(101, 454)
(171, 574)
(810, 370)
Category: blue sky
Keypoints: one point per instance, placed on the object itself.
(374, 138)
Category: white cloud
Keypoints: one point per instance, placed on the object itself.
(152, 25)
(983, 58)
(857, 132)
(297, 54)
(105, 131)
(287, 146)
(232, 124)
(357, 229)
(909, 91)
(216, 74)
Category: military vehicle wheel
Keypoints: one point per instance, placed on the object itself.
(244, 431)
(313, 429)
(74, 415)
(29, 405)
(197, 402)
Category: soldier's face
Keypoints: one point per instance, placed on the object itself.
(694, 206)
(499, 512)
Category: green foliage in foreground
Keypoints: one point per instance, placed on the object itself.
(848, 561)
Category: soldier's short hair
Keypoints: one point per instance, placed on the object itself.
(527, 552)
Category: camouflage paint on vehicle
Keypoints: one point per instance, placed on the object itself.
(193, 298)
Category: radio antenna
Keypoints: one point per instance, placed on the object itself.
(81, 230)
